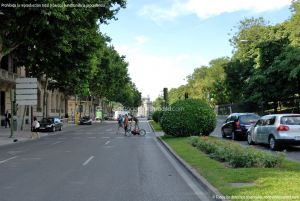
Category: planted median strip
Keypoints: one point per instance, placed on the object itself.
(238, 171)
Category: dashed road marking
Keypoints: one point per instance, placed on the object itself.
(8, 159)
(88, 160)
(56, 142)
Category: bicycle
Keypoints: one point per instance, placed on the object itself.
(136, 131)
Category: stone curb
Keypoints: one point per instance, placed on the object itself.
(212, 191)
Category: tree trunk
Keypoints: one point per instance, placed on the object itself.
(1, 56)
(66, 107)
(45, 97)
(275, 105)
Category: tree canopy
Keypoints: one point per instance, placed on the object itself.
(264, 68)
(64, 45)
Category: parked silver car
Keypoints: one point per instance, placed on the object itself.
(276, 130)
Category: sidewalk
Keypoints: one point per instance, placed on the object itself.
(21, 136)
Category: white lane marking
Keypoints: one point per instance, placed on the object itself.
(200, 194)
(106, 143)
(14, 152)
(92, 137)
(105, 137)
(25, 159)
(88, 160)
(56, 142)
(8, 159)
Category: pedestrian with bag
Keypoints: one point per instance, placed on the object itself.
(7, 119)
(35, 128)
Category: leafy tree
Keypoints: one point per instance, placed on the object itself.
(158, 103)
(25, 25)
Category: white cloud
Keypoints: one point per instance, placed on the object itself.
(141, 40)
(210, 8)
(151, 73)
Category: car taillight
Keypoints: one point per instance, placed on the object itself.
(237, 124)
(283, 128)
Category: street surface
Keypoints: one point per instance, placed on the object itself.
(292, 152)
(93, 163)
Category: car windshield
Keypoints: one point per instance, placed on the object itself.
(46, 120)
(249, 119)
(290, 120)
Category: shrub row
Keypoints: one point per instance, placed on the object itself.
(236, 155)
(190, 117)
(156, 116)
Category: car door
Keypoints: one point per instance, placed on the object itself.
(228, 126)
(267, 127)
(256, 136)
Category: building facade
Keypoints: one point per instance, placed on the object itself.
(55, 101)
(146, 108)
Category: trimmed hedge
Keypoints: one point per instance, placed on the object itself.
(188, 117)
(236, 155)
(156, 116)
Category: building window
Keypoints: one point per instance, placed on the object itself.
(4, 63)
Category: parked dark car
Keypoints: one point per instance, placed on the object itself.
(237, 125)
(50, 124)
(86, 120)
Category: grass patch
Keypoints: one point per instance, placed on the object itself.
(281, 181)
(156, 126)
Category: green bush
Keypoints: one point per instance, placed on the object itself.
(156, 116)
(236, 155)
(188, 117)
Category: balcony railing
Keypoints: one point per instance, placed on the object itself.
(8, 76)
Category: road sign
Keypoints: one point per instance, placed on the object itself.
(26, 91)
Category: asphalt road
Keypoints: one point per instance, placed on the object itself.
(292, 152)
(94, 163)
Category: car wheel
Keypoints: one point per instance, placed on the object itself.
(60, 128)
(234, 136)
(223, 134)
(274, 145)
(53, 129)
(249, 138)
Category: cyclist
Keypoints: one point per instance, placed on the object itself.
(136, 122)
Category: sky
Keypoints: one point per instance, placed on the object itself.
(165, 40)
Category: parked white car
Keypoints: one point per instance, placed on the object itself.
(277, 130)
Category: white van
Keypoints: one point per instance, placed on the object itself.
(117, 113)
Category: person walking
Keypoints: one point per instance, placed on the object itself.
(120, 122)
(126, 122)
(7, 119)
(35, 128)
